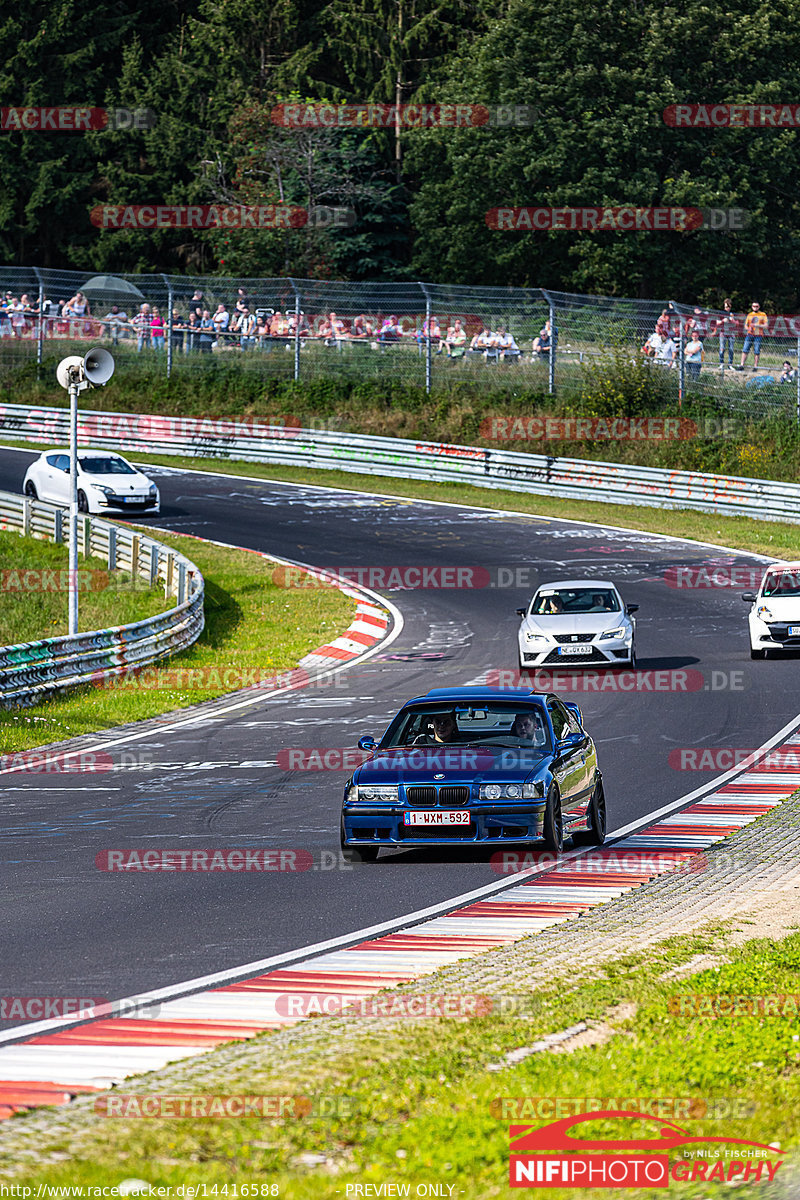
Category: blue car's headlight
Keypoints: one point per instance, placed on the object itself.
(382, 792)
(512, 791)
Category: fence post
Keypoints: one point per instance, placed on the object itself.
(58, 525)
(296, 330)
(112, 548)
(681, 362)
(428, 337)
(168, 282)
(40, 328)
(551, 357)
(181, 582)
(798, 380)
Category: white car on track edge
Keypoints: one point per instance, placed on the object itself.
(583, 622)
(107, 482)
(774, 617)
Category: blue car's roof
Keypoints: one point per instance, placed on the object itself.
(478, 694)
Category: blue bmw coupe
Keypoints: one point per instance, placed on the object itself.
(475, 765)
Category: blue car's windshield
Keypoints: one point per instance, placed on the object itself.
(496, 723)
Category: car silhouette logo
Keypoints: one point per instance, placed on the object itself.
(556, 1136)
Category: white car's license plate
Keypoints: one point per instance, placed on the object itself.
(574, 649)
(446, 816)
(794, 631)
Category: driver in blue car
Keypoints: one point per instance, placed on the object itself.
(442, 728)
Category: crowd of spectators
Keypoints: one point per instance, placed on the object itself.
(663, 345)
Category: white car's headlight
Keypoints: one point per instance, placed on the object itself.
(98, 487)
(535, 637)
(763, 613)
(613, 633)
(382, 792)
(153, 490)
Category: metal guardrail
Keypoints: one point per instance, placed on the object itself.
(538, 474)
(31, 670)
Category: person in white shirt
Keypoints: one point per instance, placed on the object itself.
(506, 345)
(666, 354)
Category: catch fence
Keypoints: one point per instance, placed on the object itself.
(413, 332)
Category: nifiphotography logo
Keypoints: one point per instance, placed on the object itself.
(549, 1157)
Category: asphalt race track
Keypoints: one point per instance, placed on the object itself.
(70, 929)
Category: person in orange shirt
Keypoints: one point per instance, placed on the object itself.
(755, 325)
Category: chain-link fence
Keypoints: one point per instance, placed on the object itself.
(418, 333)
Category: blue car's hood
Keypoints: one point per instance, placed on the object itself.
(421, 764)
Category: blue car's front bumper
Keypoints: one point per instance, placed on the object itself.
(373, 825)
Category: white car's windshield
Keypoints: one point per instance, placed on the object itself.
(106, 466)
(552, 601)
(785, 584)
(491, 724)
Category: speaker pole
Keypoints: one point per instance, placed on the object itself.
(73, 505)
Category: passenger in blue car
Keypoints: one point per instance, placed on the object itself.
(528, 727)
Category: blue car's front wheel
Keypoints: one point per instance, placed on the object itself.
(553, 824)
(356, 853)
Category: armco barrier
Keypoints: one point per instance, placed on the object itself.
(31, 670)
(539, 474)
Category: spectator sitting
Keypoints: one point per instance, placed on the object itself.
(543, 343)
(278, 325)
(112, 323)
(652, 346)
(361, 327)
(482, 342)
(430, 332)
(666, 355)
(78, 306)
(390, 330)
(456, 340)
(788, 374)
(333, 330)
(505, 344)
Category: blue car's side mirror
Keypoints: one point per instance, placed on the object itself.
(367, 743)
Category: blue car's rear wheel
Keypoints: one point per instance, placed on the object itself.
(553, 825)
(356, 853)
(595, 835)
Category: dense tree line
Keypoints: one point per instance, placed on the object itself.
(599, 74)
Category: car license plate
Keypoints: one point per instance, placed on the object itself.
(447, 816)
(794, 631)
(574, 649)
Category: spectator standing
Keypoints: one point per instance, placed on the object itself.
(205, 339)
(725, 326)
(222, 319)
(663, 324)
(142, 323)
(667, 354)
(755, 325)
(693, 354)
(158, 330)
(247, 330)
(653, 345)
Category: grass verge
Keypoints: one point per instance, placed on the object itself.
(254, 629)
(33, 592)
(413, 1102)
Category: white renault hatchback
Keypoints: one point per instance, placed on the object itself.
(774, 616)
(583, 622)
(106, 482)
